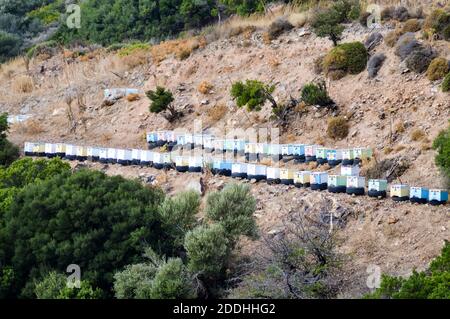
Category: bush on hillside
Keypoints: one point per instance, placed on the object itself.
(392, 37)
(442, 145)
(438, 69)
(387, 13)
(161, 102)
(338, 128)
(101, 223)
(253, 94)
(373, 40)
(316, 94)
(420, 59)
(9, 45)
(54, 286)
(8, 151)
(375, 63)
(346, 58)
(406, 44)
(400, 14)
(412, 25)
(446, 83)
(326, 24)
(430, 284)
(438, 23)
(278, 27)
(47, 47)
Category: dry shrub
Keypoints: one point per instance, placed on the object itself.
(298, 20)
(205, 87)
(23, 84)
(14, 66)
(105, 138)
(266, 38)
(338, 127)
(217, 112)
(181, 48)
(392, 37)
(417, 135)
(399, 148)
(387, 150)
(135, 59)
(30, 127)
(426, 146)
(133, 97)
(389, 169)
(438, 69)
(274, 62)
(320, 140)
(399, 128)
(191, 70)
(412, 25)
(278, 27)
(301, 108)
(318, 64)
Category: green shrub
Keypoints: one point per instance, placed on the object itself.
(9, 45)
(208, 250)
(98, 221)
(346, 58)
(446, 83)
(337, 128)
(48, 47)
(438, 22)
(431, 284)
(252, 94)
(54, 286)
(326, 24)
(420, 59)
(442, 146)
(8, 151)
(131, 48)
(172, 281)
(233, 208)
(316, 94)
(48, 14)
(162, 101)
(438, 69)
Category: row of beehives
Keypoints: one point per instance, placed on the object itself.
(298, 152)
(348, 182)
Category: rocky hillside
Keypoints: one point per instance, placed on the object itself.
(385, 113)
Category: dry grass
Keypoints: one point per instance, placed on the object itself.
(180, 48)
(399, 148)
(426, 146)
(399, 128)
(274, 62)
(105, 138)
(133, 97)
(320, 140)
(205, 87)
(217, 112)
(13, 67)
(417, 135)
(338, 127)
(135, 59)
(30, 127)
(388, 150)
(23, 84)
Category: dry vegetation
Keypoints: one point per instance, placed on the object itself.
(23, 84)
(180, 48)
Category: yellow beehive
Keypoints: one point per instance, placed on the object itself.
(82, 151)
(286, 174)
(399, 191)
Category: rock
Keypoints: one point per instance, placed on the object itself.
(253, 181)
(392, 220)
(204, 102)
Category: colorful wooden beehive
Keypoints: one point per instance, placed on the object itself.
(287, 176)
(257, 172)
(219, 146)
(162, 138)
(112, 155)
(102, 155)
(135, 156)
(50, 150)
(82, 153)
(181, 139)
(28, 149)
(262, 149)
(350, 170)
(310, 153)
(71, 152)
(39, 149)
(275, 152)
(334, 157)
(418, 194)
(146, 158)
(93, 153)
(302, 179)
(195, 164)
(273, 175)
(198, 140)
(171, 137)
(319, 181)
(167, 160)
(438, 197)
(321, 155)
(377, 188)
(189, 141)
(222, 167)
(208, 143)
(152, 139)
(182, 164)
(361, 153)
(239, 170)
(251, 153)
(337, 184)
(399, 192)
(229, 145)
(239, 147)
(348, 157)
(287, 150)
(61, 150)
(298, 151)
(124, 157)
(356, 185)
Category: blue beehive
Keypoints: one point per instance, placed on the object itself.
(377, 188)
(298, 150)
(334, 157)
(152, 139)
(257, 172)
(418, 195)
(319, 181)
(239, 170)
(221, 167)
(438, 196)
(239, 147)
(275, 152)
